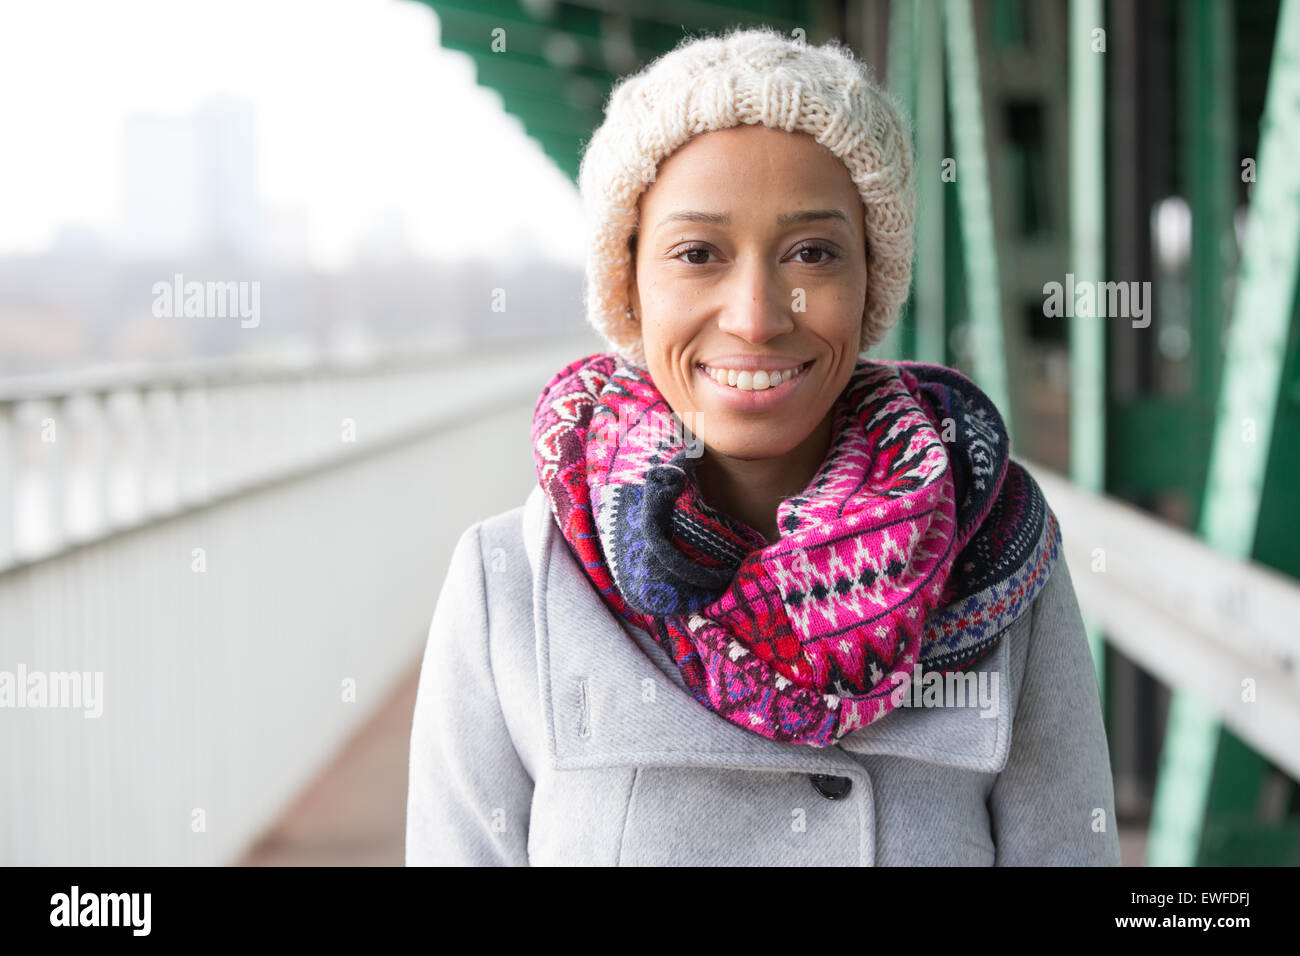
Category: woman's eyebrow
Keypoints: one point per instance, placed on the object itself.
(785, 219)
(810, 215)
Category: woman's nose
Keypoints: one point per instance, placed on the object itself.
(758, 306)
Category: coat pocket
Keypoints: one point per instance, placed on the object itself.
(702, 816)
(577, 816)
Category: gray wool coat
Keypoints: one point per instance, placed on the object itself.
(548, 732)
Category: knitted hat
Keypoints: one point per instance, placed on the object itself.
(746, 76)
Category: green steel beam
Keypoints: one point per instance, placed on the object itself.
(1247, 405)
(1088, 262)
(1266, 288)
(545, 86)
(901, 63)
(1087, 244)
(1242, 837)
(581, 43)
(1212, 176)
(541, 110)
(559, 149)
(528, 72)
(556, 69)
(901, 80)
(715, 15)
(1276, 542)
(552, 135)
(1237, 786)
(931, 325)
(978, 235)
(1165, 433)
(573, 36)
(1009, 28)
(956, 303)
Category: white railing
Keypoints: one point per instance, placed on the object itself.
(88, 454)
(248, 562)
(1227, 631)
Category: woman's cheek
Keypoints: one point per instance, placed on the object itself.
(835, 315)
(671, 326)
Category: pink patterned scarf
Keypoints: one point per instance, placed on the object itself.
(917, 541)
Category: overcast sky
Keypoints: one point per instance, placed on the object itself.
(359, 112)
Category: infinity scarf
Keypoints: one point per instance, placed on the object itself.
(918, 540)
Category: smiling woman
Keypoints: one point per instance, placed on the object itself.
(696, 648)
(777, 287)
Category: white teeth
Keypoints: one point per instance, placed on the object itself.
(751, 381)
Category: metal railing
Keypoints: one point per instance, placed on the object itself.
(90, 453)
(240, 563)
(1219, 628)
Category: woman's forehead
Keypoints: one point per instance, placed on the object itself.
(726, 180)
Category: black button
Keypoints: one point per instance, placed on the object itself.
(832, 788)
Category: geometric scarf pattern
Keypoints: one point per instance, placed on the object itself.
(917, 541)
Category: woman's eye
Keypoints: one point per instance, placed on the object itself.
(697, 251)
(825, 254)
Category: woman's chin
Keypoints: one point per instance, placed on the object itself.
(749, 444)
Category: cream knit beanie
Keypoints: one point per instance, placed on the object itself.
(746, 76)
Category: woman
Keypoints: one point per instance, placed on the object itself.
(770, 602)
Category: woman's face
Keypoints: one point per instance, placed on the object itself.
(750, 285)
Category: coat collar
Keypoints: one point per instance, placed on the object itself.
(609, 697)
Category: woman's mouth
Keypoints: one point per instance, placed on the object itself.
(749, 380)
(752, 390)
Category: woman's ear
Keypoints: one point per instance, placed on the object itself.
(634, 302)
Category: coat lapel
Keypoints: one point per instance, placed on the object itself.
(607, 703)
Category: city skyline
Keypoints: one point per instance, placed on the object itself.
(342, 163)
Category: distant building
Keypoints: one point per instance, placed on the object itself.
(231, 220)
(162, 187)
(189, 183)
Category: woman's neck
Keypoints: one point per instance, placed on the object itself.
(751, 489)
